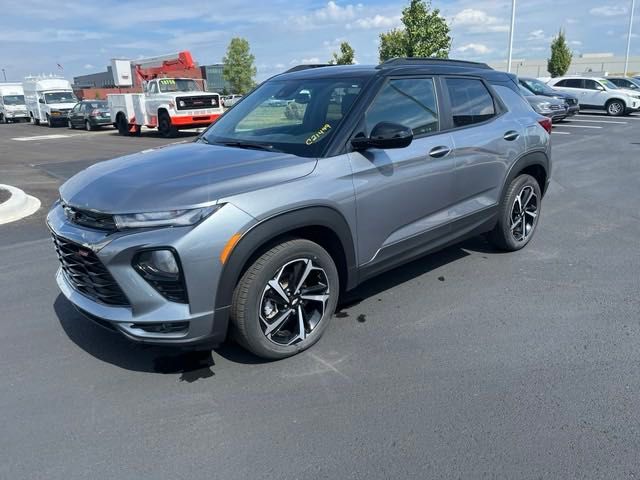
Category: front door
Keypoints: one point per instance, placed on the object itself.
(403, 195)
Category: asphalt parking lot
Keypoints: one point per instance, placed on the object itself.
(469, 363)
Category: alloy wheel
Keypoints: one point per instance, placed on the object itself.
(294, 302)
(615, 108)
(524, 214)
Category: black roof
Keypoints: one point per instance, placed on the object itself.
(396, 66)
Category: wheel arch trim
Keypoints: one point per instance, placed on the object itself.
(529, 159)
(265, 231)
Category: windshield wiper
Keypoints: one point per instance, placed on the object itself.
(248, 145)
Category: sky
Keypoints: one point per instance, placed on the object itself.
(82, 36)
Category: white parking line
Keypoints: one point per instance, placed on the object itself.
(597, 121)
(561, 133)
(575, 126)
(604, 116)
(41, 137)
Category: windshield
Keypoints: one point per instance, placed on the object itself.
(178, 85)
(97, 104)
(13, 99)
(60, 97)
(607, 83)
(525, 92)
(538, 87)
(292, 116)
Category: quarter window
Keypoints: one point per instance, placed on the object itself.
(471, 102)
(410, 102)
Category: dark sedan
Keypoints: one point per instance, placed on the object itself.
(538, 87)
(89, 114)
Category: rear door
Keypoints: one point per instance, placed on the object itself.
(575, 86)
(403, 195)
(485, 141)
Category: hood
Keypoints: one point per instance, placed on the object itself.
(54, 106)
(538, 99)
(560, 95)
(629, 92)
(179, 176)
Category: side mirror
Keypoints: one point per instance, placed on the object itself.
(385, 135)
(600, 87)
(302, 98)
(41, 100)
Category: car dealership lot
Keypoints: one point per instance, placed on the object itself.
(467, 363)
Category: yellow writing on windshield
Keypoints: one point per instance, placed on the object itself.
(318, 135)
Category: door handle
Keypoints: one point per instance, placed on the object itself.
(511, 135)
(439, 152)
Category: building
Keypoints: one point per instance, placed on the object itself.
(95, 80)
(598, 63)
(215, 79)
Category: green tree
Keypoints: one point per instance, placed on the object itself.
(239, 69)
(345, 57)
(425, 34)
(561, 56)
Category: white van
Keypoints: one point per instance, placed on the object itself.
(12, 107)
(48, 99)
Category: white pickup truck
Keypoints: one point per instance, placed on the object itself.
(48, 99)
(168, 104)
(12, 107)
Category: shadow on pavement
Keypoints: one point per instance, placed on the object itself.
(193, 365)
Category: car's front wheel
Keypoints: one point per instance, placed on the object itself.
(285, 300)
(615, 108)
(518, 214)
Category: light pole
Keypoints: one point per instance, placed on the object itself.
(626, 58)
(513, 21)
(4, 74)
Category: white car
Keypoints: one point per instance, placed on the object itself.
(599, 93)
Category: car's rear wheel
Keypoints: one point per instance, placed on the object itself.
(615, 108)
(518, 214)
(285, 300)
(165, 127)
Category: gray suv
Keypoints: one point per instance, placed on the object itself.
(259, 225)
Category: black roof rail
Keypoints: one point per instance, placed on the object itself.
(307, 66)
(405, 61)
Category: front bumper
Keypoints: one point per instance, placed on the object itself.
(573, 110)
(556, 115)
(192, 121)
(198, 249)
(16, 115)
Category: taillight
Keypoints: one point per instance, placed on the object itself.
(94, 113)
(546, 124)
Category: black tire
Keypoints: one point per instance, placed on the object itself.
(122, 125)
(70, 124)
(87, 126)
(615, 108)
(250, 299)
(503, 235)
(3, 119)
(49, 122)
(165, 127)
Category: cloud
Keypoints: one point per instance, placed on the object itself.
(477, 48)
(575, 42)
(377, 21)
(331, 14)
(608, 11)
(478, 21)
(88, 66)
(311, 60)
(49, 35)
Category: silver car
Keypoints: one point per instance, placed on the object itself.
(258, 226)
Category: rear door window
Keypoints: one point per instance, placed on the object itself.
(471, 102)
(409, 101)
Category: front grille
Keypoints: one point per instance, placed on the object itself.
(193, 103)
(87, 218)
(86, 273)
(556, 107)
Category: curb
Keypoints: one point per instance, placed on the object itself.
(18, 206)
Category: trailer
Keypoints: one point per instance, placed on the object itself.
(168, 104)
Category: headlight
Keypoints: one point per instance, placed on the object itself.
(173, 218)
(181, 103)
(214, 102)
(543, 107)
